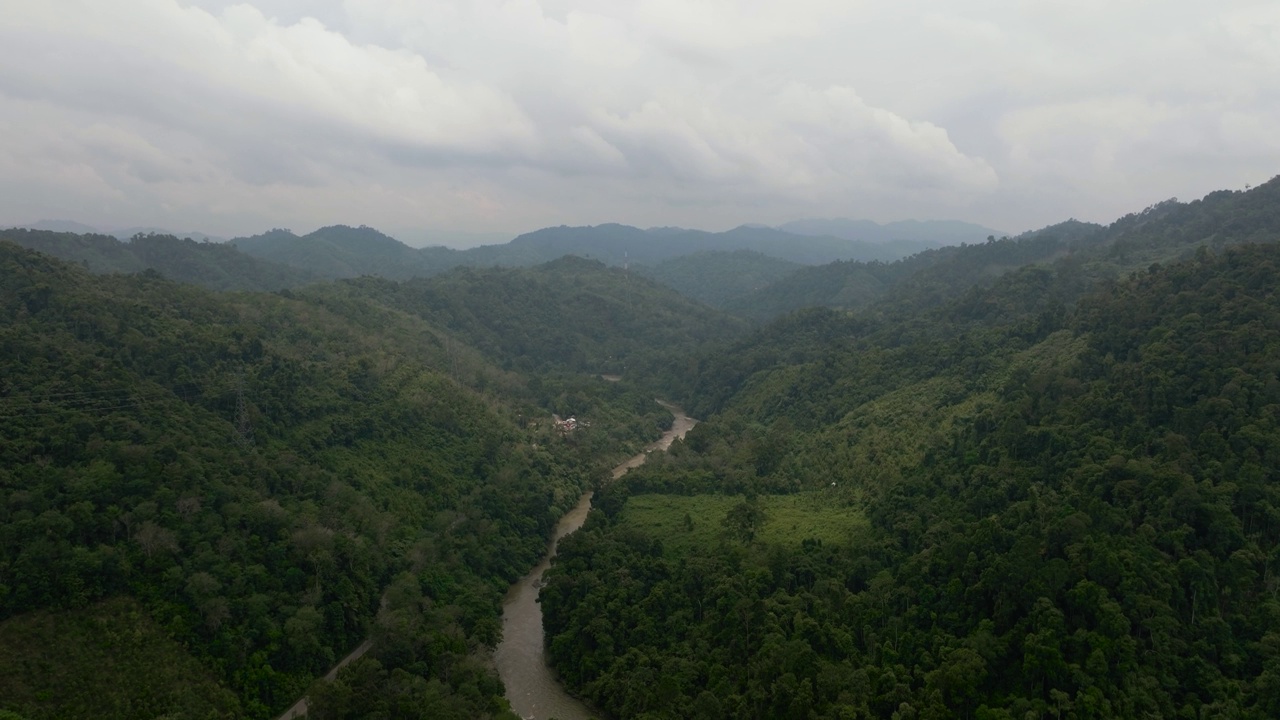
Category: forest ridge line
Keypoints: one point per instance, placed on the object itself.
(1022, 476)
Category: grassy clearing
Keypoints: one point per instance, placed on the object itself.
(789, 519)
(108, 660)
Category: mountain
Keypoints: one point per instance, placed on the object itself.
(212, 265)
(60, 226)
(1048, 494)
(926, 278)
(456, 239)
(70, 226)
(1161, 233)
(1025, 477)
(207, 498)
(616, 244)
(341, 252)
(334, 252)
(721, 278)
(129, 232)
(571, 314)
(922, 233)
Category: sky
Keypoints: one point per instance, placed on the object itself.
(494, 116)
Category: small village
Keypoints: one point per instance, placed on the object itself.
(569, 425)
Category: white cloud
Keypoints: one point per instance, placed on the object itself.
(508, 114)
(716, 25)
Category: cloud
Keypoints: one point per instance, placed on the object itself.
(714, 25)
(508, 114)
(239, 75)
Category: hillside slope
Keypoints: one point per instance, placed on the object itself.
(268, 479)
(719, 279)
(1164, 232)
(1067, 507)
(212, 265)
(344, 252)
(570, 315)
(930, 233)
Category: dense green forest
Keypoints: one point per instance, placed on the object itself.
(340, 251)
(717, 269)
(1164, 232)
(213, 265)
(570, 314)
(1028, 477)
(719, 279)
(1058, 495)
(264, 480)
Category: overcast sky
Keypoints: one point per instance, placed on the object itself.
(231, 118)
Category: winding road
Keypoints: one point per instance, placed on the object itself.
(299, 709)
(532, 689)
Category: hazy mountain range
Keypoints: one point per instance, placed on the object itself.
(1030, 464)
(71, 226)
(341, 251)
(941, 232)
(741, 261)
(925, 233)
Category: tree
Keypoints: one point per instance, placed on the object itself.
(744, 520)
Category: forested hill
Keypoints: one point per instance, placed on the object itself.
(720, 278)
(570, 315)
(753, 272)
(921, 281)
(616, 244)
(340, 251)
(1000, 509)
(1162, 233)
(205, 499)
(213, 265)
(928, 232)
(1033, 477)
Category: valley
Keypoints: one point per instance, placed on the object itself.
(1022, 477)
(531, 685)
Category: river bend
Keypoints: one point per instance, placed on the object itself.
(532, 688)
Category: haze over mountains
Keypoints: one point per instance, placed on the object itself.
(342, 312)
(716, 268)
(938, 232)
(651, 245)
(1022, 474)
(126, 233)
(752, 271)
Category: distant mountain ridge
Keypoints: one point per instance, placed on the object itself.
(720, 278)
(614, 244)
(752, 271)
(216, 266)
(1165, 232)
(71, 226)
(936, 232)
(61, 226)
(129, 233)
(341, 251)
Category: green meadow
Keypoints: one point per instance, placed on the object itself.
(687, 523)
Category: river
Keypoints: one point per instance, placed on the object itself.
(532, 689)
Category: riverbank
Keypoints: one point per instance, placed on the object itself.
(532, 689)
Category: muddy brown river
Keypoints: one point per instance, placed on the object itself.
(532, 688)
